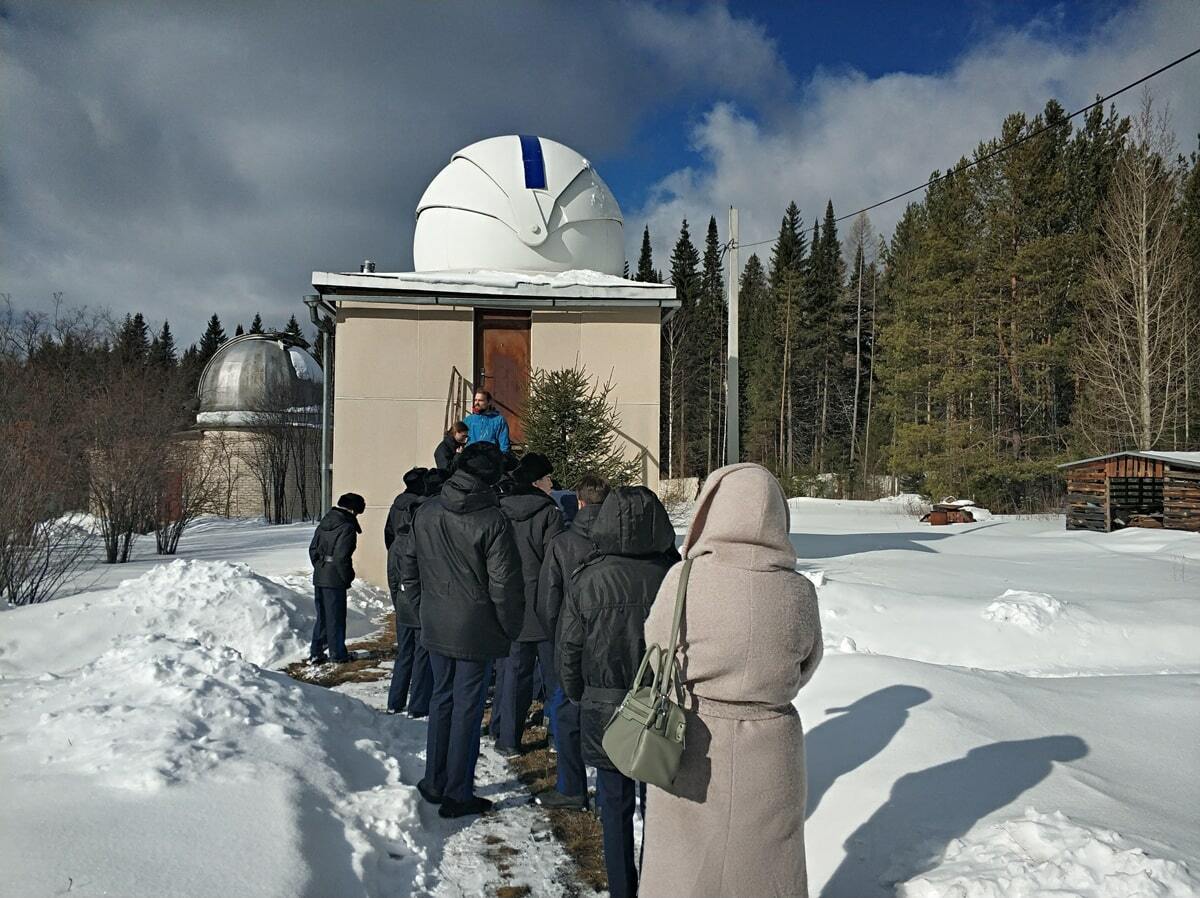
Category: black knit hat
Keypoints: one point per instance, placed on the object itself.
(352, 502)
(414, 481)
(483, 460)
(534, 466)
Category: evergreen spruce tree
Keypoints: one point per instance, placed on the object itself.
(572, 421)
(682, 380)
(256, 326)
(239, 330)
(710, 348)
(754, 390)
(645, 267)
(210, 341)
(162, 351)
(293, 329)
(133, 341)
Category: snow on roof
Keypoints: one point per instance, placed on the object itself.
(482, 282)
(1185, 459)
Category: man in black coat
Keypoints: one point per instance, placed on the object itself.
(412, 680)
(567, 552)
(535, 520)
(330, 552)
(461, 573)
(601, 641)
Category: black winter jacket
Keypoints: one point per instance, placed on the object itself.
(400, 520)
(601, 636)
(332, 547)
(443, 455)
(566, 553)
(461, 573)
(399, 517)
(535, 520)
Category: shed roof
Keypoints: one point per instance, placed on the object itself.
(1175, 459)
(485, 287)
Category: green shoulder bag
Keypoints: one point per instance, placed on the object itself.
(644, 738)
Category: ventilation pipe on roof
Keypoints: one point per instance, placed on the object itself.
(367, 267)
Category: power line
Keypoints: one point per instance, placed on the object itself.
(1008, 146)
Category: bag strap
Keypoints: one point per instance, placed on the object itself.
(667, 658)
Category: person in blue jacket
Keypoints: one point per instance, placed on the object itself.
(485, 423)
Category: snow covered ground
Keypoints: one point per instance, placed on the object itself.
(1005, 709)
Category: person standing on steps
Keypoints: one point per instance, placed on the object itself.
(331, 552)
(461, 573)
(452, 443)
(535, 520)
(485, 424)
(732, 825)
(412, 680)
(566, 553)
(600, 646)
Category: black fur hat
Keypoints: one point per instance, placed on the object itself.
(414, 481)
(483, 460)
(434, 478)
(533, 467)
(352, 502)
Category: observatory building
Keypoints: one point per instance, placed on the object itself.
(518, 253)
(259, 423)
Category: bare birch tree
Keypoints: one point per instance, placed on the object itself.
(1131, 356)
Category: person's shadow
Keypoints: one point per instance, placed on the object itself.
(927, 809)
(860, 732)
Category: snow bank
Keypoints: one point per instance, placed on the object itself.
(1040, 855)
(221, 604)
(1033, 611)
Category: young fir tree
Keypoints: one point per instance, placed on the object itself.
(292, 328)
(572, 421)
(239, 330)
(681, 375)
(645, 266)
(256, 326)
(757, 424)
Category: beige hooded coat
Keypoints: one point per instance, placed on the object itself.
(733, 824)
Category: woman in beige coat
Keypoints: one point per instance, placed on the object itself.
(733, 823)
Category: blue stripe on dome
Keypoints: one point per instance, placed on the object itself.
(535, 163)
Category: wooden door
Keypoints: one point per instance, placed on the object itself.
(502, 363)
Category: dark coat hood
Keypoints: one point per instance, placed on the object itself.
(338, 517)
(464, 492)
(632, 521)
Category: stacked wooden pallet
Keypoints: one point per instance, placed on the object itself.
(1087, 497)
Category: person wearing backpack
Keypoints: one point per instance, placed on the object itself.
(601, 644)
(331, 552)
(732, 823)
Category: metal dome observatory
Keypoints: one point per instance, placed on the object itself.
(518, 252)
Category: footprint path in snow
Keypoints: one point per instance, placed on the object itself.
(508, 853)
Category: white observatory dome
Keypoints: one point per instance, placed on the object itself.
(519, 202)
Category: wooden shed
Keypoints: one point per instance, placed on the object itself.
(1134, 489)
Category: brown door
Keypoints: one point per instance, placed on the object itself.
(502, 363)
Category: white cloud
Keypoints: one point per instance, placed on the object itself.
(856, 140)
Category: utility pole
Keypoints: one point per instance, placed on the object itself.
(733, 452)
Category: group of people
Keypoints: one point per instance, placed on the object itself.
(490, 580)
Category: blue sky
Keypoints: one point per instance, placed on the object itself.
(206, 156)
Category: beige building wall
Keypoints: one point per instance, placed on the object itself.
(395, 366)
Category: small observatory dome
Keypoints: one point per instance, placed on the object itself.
(519, 203)
(257, 373)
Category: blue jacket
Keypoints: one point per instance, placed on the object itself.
(490, 427)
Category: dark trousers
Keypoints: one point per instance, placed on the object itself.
(330, 629)
(572, 778)
(517, 693)
(616, 794)
(455, 713)
(500, 666)
(412, 680)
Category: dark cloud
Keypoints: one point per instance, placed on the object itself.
(188, 158)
